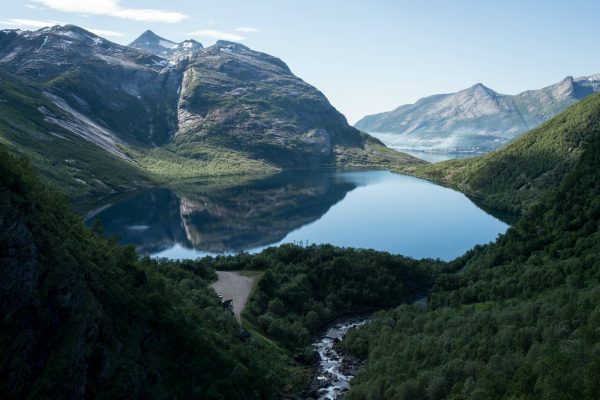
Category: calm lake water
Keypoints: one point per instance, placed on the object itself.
(367, 209)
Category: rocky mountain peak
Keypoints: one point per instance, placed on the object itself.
(68, 28)
(152, 43)
(564, 88)
(230, 45)
(149, 35)
(192, 42)
(229, 54)
(480, 88)
(568, 81)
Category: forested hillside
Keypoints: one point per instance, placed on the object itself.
(304, 289)
(84, 317)
(516, 175)
(517, 319)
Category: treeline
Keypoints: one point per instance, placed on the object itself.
(519, 319)
(305, 288)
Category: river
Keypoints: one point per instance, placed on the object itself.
(335, 370)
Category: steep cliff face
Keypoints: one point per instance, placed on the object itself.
(233, 96)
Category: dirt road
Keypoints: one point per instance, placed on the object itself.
(236, 287)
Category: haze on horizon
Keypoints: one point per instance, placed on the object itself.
(365, 57)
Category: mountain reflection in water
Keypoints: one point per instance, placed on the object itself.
(367, 209)
(223, 217)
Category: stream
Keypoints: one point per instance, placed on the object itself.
(335, 370)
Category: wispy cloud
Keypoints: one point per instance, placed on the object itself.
(28, 23)
(215, 34)
(34, 7)
(37, 24)
(247, 29)
(104, 33)
(113, 8)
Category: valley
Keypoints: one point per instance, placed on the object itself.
(180, 221)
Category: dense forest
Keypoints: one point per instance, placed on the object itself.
(84, 317)
(305, 288)
(520, 318)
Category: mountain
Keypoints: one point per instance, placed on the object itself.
(222, 110)
(476, 119)
(120, 92)
(152, 43)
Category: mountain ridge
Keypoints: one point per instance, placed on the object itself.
(476, 119)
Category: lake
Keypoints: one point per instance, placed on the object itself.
(366, 209)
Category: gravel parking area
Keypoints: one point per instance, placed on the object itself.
(234, 286)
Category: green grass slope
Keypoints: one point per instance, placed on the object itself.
(516, 175)
(73, 164)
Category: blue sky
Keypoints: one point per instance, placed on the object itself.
(366, 56)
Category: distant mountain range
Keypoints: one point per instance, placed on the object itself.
(476, 119)
(107, 117)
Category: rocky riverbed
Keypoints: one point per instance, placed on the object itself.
(336, 368)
